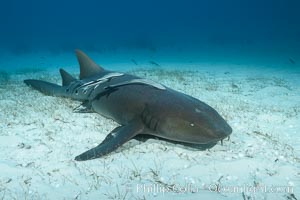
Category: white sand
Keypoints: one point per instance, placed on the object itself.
(41, 135)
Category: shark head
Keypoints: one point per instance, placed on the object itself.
(200, 124)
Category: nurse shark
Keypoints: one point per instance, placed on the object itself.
(138, 105)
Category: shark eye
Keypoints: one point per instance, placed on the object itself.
(76, 91)
(197, 110)
(67, 90)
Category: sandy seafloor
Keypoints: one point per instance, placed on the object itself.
(41, 135)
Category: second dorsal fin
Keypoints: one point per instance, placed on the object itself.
(66, 77)
(88, 67)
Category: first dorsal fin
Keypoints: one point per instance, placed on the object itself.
(66, 77)
(88, 67)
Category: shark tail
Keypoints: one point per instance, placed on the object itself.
(52, 89)
(47, 88)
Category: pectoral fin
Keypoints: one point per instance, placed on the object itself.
(85, 107)
(115, 139)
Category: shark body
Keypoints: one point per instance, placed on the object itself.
(139, 105)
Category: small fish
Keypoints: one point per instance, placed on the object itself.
(154, 63)
(138, 81)
(134, 61)
(292, 61)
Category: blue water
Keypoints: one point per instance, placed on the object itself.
(191, 25)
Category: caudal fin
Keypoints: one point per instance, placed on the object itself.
(45, 87)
